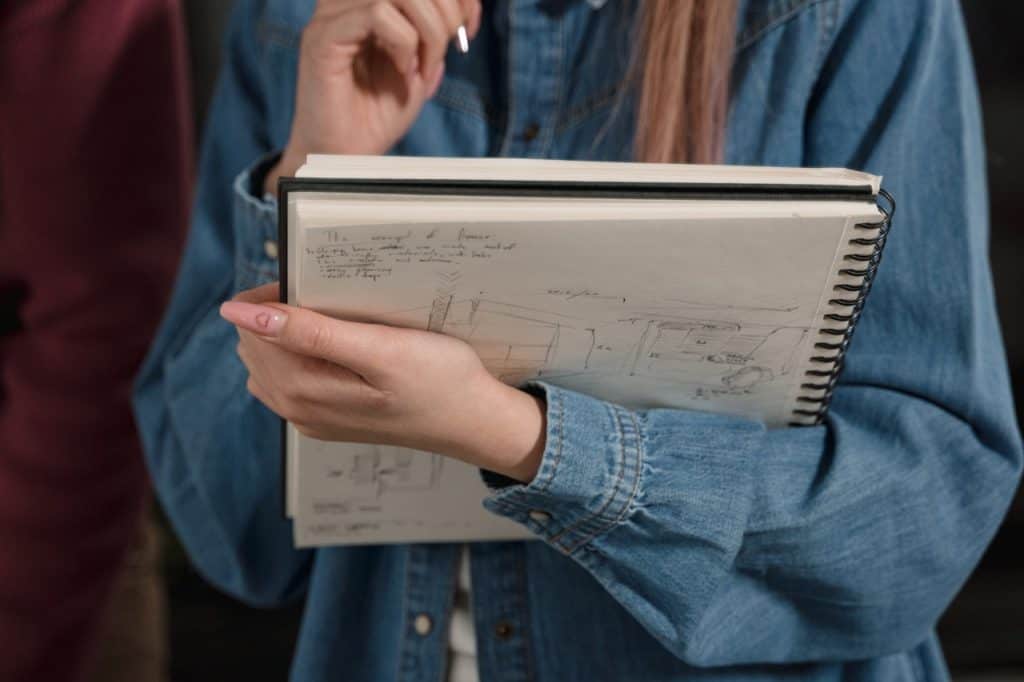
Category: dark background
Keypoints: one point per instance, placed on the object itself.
(215, 638)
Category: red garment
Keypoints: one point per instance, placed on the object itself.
(94, 180)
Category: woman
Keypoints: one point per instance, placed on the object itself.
(675, 545)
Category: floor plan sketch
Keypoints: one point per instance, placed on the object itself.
(746, 356)
(368, 476)
(361, 492)
(519, 342)
(513, 341)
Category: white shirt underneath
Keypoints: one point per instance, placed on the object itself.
(461, 635)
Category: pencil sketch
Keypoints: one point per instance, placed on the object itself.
(550, 331)
(761, 353)
(369, 476)
(681, 312)
(520, 342)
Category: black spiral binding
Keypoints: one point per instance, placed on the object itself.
(838, 338)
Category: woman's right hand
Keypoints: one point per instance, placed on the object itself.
(366, 67)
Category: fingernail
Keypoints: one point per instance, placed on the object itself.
(259, 319)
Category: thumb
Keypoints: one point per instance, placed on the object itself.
(358, 346)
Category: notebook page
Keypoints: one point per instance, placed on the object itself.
(713, 308)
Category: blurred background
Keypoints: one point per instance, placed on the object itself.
(213, 637)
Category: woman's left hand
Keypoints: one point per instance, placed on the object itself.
(371, 383)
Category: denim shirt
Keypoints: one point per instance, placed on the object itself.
(678, 545)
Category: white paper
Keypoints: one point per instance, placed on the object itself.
(695, 305)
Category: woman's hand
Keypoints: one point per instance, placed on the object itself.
(365, 69)
(370, 383)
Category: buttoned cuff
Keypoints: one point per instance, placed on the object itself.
(255, 217)
(589, 473)
(611, 477)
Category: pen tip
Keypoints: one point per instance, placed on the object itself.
(463, 40)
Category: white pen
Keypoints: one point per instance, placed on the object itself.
(463, 39)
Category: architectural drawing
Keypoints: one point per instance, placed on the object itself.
(713, 357)
(369, 476)
(747, 356)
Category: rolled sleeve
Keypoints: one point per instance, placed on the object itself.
(602, 465)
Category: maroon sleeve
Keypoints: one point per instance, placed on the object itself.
(94, 180)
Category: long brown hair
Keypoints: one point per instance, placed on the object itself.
(682, 69)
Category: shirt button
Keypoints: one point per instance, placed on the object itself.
(531, 132)
(503, 630)
(540, 516)
(270, 248)
(422, 625)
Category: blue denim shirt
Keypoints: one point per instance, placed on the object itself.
(680, 545)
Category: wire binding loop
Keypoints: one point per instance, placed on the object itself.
(837, 339)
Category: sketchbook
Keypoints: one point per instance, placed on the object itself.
(717, 288)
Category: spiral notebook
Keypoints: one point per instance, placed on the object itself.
(718, 288)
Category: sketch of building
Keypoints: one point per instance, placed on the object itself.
(679, 345)
(375, 474)
(521, 342)
(513, 342)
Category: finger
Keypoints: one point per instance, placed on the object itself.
(327, 6)
(394, 34)
(365, 349)
(431, 28)
(471, 12)
(342, 22)
(256, 390)
(267, 292)
(436, 83)
(362, 348)
(253, 360)
(301, 387)
(269, 363)
(276, 367)
(255, 383)
(452, 13)
(350, 24)
(258, 318)
(299, 376)
(242, 351)
(339, 6)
